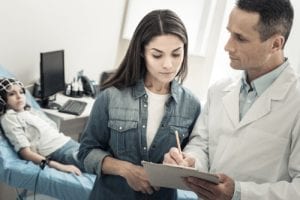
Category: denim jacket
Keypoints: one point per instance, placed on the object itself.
(117, 127)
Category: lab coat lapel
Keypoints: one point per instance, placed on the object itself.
(260, 108)
(277, 91)
(231, 102)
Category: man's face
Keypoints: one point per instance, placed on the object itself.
(246, 50)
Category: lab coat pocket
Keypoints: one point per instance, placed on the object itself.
(265, 150)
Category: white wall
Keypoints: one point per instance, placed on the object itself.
(199, 67)
(221, 66)
(88, 31)
(215, 65)
(292, 48)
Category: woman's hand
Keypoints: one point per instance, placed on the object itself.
(135, 175)
(137, 178)
(176, 158)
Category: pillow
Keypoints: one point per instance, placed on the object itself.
(30, 100)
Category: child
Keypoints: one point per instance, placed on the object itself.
(34, 136)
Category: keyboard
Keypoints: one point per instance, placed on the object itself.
(74, 107)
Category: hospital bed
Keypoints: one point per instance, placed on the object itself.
(27, 176)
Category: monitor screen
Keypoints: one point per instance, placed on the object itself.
(52, 74)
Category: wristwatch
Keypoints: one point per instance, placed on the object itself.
(44, 162)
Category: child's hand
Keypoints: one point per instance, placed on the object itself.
(65, 168)
(71, 169)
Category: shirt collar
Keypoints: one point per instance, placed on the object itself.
(139, 89)
(262, 83)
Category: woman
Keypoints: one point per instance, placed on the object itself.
(138, 111)
(34, 136)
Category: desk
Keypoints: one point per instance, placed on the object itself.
(70, 125)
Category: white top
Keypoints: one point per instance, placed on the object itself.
(156, 110)
(31, 129)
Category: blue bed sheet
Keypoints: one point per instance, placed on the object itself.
(24, 174)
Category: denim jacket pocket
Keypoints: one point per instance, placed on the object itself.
(181, 125)
(122, 135)
(182, 131)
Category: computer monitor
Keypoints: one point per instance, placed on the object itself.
(52, 77)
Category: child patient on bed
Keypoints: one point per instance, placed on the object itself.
(34, 136)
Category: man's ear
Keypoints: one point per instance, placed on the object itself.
(278, 43)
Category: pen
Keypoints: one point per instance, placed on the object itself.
(178, 141)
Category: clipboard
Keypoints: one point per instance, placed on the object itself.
(170, 176)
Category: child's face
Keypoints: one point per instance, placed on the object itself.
(16, 99)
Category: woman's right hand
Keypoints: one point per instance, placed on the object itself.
(176, 158)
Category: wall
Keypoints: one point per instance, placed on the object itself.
(88, 31)
(221, 67)
(199, 67)
(203, 71)
(292, 47)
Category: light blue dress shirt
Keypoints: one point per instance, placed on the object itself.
(249, 93)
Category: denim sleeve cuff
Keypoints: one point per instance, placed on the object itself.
(237, 191)
(93, 161)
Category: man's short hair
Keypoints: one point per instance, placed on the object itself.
(276, 16)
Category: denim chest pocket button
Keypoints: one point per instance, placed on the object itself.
(122, 126)
(122, 137)
(182, 131)
(180, 124)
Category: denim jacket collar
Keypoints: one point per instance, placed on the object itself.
(139, 90)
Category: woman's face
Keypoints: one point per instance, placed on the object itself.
(163, 57)
(16, 99)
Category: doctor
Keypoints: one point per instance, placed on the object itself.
(250, 126)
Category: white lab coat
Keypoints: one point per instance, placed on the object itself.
(262, 151)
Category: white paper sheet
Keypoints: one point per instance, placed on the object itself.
(164, 175)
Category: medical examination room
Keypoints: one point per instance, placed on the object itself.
(149, 99)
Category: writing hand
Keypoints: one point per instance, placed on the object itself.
(175, 157)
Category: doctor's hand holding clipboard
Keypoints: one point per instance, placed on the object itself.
(203, 188)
